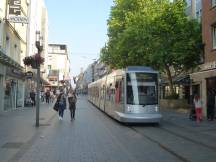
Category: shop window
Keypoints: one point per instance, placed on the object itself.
(7, 88)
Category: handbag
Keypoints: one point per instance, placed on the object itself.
(56, 106)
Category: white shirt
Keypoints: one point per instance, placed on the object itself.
(198, 103)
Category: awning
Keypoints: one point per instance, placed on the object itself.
(4, 59)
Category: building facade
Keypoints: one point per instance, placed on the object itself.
(194, 8)
(58, 65)
(38, 22)
(13, 42)
(204, 81)
(19, 21)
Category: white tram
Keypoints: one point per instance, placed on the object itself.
(129, 95)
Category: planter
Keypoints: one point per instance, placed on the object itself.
(33, 61)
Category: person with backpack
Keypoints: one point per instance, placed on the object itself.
(72, 104)
(61, 100)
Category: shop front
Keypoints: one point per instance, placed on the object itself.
(204, 84)
(13, 89)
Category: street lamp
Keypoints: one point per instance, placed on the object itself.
(39, 47)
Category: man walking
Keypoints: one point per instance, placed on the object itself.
(32, 96)
(72, 104)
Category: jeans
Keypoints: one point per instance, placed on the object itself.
(61, 111)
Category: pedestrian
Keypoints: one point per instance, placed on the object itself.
(198, 108)
(42, 95)
(210, 105)
(32, 96)
(47, 96)
(72, 104)
(61, 100)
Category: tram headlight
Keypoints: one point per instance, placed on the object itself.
(157, 108)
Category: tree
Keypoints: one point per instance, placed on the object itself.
(152, 33)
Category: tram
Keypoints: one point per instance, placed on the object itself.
(129, 95)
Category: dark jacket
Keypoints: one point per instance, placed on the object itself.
(72, 101)
(61, 101)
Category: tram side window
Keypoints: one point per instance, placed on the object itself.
(122, 92)
(108, 96)
(117, 92)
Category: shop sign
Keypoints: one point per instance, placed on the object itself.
(29, 75)
(15, 12)
(18, 19)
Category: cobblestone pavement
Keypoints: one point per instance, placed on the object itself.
(18, 127)
(94, 137)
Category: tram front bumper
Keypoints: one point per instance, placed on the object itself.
(138, 118)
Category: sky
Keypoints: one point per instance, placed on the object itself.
(82, 26)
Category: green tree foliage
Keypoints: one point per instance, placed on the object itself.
(155, 33)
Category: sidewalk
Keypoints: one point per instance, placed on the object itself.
(18, 127)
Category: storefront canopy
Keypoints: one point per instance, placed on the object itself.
(4, 59)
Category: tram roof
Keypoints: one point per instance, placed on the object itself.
(140, 68)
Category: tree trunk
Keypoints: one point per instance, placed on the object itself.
(170, 79)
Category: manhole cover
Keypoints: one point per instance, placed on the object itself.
(12, 145)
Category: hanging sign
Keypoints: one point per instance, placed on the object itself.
(15, 12)
(15, 7)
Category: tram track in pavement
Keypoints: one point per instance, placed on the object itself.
(171, 151)
(162, 146)
(187, 138)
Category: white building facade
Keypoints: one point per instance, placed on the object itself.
(58, 65)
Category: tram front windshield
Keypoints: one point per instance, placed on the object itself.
(142, 89)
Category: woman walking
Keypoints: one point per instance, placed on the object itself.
(61, 105)
(198, 108)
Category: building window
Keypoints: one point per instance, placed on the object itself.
(49, 67)
(214, 37)
(213, 3)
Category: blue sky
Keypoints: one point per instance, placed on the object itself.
(82, 25)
